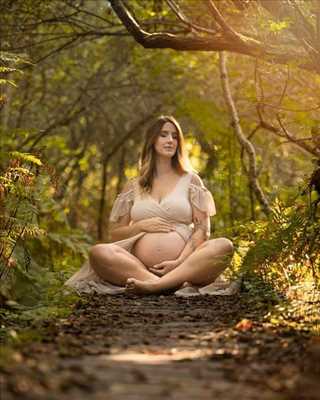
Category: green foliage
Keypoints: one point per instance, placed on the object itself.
(25, 157)
(32, 222)
(277, 26)
(285, 250)
(21, 324)
(12, 59)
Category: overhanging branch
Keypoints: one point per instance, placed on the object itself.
(232, 42)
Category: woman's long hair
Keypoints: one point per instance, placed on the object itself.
(147, 162)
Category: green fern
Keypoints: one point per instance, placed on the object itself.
(35, 237)
(287, 248)
(25, 157)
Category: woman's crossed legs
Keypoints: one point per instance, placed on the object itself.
(201, 268)
(115, 264)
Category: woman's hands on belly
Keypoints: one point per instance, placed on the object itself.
(164, 267)
(154, 248)
(155, 224)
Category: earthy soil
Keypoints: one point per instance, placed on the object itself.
(127, 347)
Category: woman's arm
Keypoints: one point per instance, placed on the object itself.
(120, 226)
(153, 224)
(201, 222)
(201, 233)
(124, 230)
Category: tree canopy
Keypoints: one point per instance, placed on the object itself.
(275, 30)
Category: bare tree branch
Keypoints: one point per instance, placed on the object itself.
(227, 29)
(300, 142)
(228, 40)
(283, 132)
(175, 9)
(244, 142)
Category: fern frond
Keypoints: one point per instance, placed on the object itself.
(7, 70)
(7, 82)
(26, 157)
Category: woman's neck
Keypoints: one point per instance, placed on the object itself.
(164, 167)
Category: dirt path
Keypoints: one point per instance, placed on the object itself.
(160, 347)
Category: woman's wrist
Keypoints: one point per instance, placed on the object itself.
(137, 227)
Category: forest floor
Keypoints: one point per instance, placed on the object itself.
(165, 347)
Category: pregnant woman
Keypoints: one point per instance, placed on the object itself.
(160, 226)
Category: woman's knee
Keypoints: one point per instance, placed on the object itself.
(100, 251)
(221, 246)
(227, 245)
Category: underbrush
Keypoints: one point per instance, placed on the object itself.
(38, 247)
(279, 261)
(38, 251)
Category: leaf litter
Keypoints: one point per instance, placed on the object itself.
(128, 347)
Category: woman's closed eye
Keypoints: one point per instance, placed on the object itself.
(165, 134)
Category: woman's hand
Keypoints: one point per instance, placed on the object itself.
(155, 224)
(164, 267)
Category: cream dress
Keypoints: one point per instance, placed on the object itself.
(176, 207)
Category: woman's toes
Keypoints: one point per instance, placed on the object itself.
(130, 283)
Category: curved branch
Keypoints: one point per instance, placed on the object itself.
(175, 9)
(227, 29)
(218, 42)
(284, 133)
(244, 142)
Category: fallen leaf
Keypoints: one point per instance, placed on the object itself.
(244, 325)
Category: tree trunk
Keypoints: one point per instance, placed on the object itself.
(76, 210)
(244, 142)
(102, 201)
(231, 185)
(121, 169)
(252, 204)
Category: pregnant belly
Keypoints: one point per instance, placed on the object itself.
(154, 248)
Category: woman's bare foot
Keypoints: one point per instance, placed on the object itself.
(140, 287)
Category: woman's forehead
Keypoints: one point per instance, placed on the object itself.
(169, 127)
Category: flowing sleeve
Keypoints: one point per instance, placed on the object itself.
(122, 204)
(201, 197)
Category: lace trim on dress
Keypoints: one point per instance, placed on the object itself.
(202, 198)
(122, 205)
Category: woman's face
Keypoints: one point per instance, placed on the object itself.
(167, 141)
